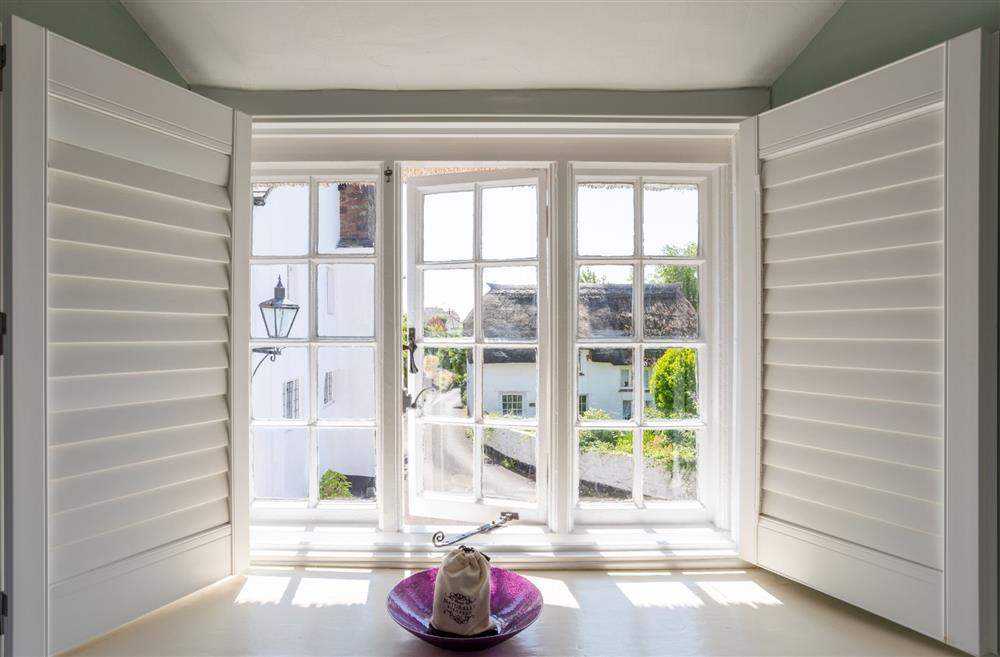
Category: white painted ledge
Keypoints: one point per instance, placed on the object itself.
(701, 546)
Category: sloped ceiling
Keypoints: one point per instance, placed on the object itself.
(510, 44)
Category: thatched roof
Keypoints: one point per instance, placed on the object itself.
(511, 312)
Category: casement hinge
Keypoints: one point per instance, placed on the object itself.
(3, 331)
(3, 613)
(388, 174)
(3, 62)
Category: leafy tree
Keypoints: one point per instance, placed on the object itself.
(674, 384)
(685, 275)
(334, 485)
(452, 360)
(588, 275)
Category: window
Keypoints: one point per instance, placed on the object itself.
(512, 404)
(639, 288)
(473, 297)
(327, 388)
(625, 377)
(582, 403)
(291, 400)
(318, 236)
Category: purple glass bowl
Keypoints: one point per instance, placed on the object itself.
(515, 604)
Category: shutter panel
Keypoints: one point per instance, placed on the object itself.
(861, 352)
(137, 311)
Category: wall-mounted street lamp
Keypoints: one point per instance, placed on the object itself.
(279, 315)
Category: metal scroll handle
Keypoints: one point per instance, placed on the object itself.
(411, 346)
(505, 517)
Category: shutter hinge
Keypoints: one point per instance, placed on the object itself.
(3, 331)
(3, 613)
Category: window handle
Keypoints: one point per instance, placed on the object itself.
(411, 347)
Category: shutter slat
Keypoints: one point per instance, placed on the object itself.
(919, 292)
(88, 326)
(87, 128)
(83, 392)
(95, 520)
(71, 293)
(914, 387)
(70, 560)
(912, 545)
(77, 426)
(885, 141)
(106, 485)
(918, 483)
(91, 164)
(96, 455)
(857, 325)
(921, 260)
(913, 229)
(905, 449)
(90, 359)
(73, 225)
(96, 196)
(70, 259)
(919, 515)
(901, 355)
(866, 178)
(917, 419)
(882, 204)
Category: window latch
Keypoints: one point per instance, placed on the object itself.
(411, 347)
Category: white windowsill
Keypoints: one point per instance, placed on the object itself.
(682, 546)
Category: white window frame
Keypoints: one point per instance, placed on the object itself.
(290, 404)
(712, 467)
(314, 509)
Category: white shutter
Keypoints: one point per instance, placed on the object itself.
(877, 455)
(135, 326)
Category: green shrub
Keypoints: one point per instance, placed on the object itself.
(334, 485)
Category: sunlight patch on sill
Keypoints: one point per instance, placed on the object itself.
(744, 592)
(667, 595)
(555, 593)
(263, 590)
(329, 592)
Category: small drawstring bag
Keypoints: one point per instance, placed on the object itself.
(462, 593)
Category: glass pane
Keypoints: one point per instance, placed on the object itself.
(606, 459)
(446, 465)
(605, 377)
(280, 388)
(445, 382)
(510, 303)
(673, 383)
(280, 458)
(346, 464)
(346, 217)
(510, 222)
(510, 383)
(447, 226)
(263, 279)
(345, 294)
(509, 463)
(670, 301)
(280, 219)
(605, 301)
(345, 381)
(448, 302)
(605, 219)
(670, 219)
(670, 465)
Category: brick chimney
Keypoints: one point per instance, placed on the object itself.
(357, 215)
